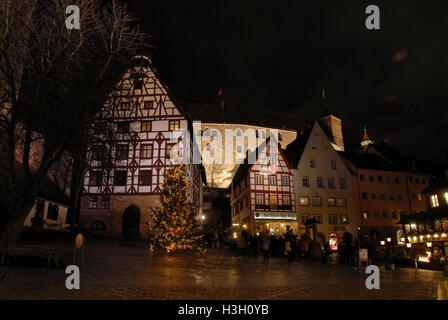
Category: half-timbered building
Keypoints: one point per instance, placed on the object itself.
(123, 181)
(262, 192)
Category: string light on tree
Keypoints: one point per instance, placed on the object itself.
(174, 225)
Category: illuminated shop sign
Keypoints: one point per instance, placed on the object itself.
(275, 215)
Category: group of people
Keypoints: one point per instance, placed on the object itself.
(214, 239)
(272, 245)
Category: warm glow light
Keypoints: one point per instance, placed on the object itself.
(383, 243)
(244, 226)
(413, 225)
(402, 239)
(446, 196)
(408, 245)
(429, 244)
(234, 235)
(415, 238)
(203, 217)
(421, 237)
(389, 239)
(409, 238)
(423, 259)
(282, 224)
(436, 235)
(444, 235)
(235, 224)
(428, 236)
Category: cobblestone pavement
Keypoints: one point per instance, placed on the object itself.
(114, 271)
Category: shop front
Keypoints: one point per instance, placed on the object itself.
(275, 223)
(426, 237)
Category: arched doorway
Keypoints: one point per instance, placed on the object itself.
(131, 222)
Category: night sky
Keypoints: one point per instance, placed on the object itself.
(276, 56)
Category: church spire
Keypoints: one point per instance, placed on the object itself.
(365, 140)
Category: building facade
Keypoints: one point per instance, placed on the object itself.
(262, 192)
(383, 193)
(120, 192)
(324, 186)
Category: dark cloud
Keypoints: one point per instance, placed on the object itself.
(276, 56)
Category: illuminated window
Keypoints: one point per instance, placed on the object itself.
(304, 201)
(365, 214)
(342, 202)
(146, 126)
(331, 202)
(146, 151)
(258, 179)
(148, 105)
(174, 125)
(446, 197)
(125, 106)
(434, 199)
(343, 219)
(169, 147)
(96, 178)
(273, 201)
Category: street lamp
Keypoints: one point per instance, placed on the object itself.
(408, 245)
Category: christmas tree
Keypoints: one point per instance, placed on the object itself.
(174, 226)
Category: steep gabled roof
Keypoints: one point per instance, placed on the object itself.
(244, 167)
(295, 149)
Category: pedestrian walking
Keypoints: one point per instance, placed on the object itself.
(265, 245)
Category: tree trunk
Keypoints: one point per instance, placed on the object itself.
(15, 224)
